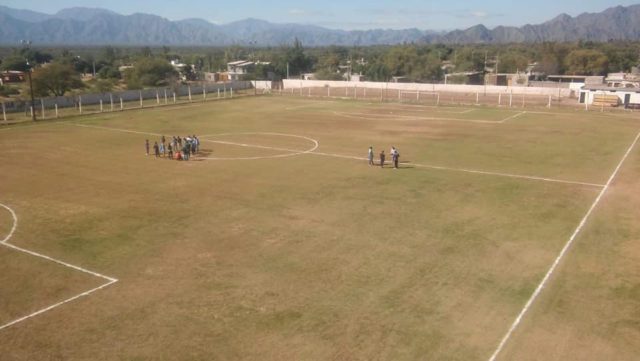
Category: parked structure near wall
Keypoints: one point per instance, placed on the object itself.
(12, 76)
(628, 97)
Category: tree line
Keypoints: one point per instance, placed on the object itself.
(59, 71)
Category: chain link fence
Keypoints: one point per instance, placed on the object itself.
(60, 107)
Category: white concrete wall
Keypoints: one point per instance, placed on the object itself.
(452, 88)
(262, 84)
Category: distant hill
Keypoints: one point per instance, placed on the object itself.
(617, 23)
(89, 26)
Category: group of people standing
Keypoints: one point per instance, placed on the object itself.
(395, 156)
(178, 148)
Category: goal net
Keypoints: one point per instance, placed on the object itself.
(418, 96)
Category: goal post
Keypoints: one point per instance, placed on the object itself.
(419, 96)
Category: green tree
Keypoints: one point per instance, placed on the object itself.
(586, 62)
(512, 62)
(109, 72)
(15, 62)
(378, 71)
(150, 72)
(328, 74)
(621, 57)
(297, 59)
(468, 59)
(109, 55)
(55, 79)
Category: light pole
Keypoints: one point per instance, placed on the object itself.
(27, 44)
(33, 102)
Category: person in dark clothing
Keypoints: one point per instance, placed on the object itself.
(156, 149)
(395, 155)
(170, 153)
(146, 146)
(186, 151)
(382, 157)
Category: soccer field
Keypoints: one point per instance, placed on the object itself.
(504, 234)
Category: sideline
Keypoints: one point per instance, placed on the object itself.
(563, 252)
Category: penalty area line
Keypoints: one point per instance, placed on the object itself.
(5, 243)
(560, 256)
(512, 117)
(383, 117)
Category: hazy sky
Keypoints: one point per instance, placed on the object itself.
(352, 14)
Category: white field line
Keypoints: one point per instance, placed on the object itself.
(252, 146)
(177, 106)
(5, 243)
(512, 117)
(316, 145)
(290, 152)
(15, 224)
(437, 109)
(473, 171)
(44, 123)
(318, 103)
(365, 116)
(115, 129)
(422, 106)
(49, 308)
(400, 109)
(564, 250)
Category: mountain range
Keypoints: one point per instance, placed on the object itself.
(89, 26)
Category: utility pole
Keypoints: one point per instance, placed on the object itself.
(33, 102)
(484, 72)
(27, 44)
(485, 60)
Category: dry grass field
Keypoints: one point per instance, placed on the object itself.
(279, 242)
